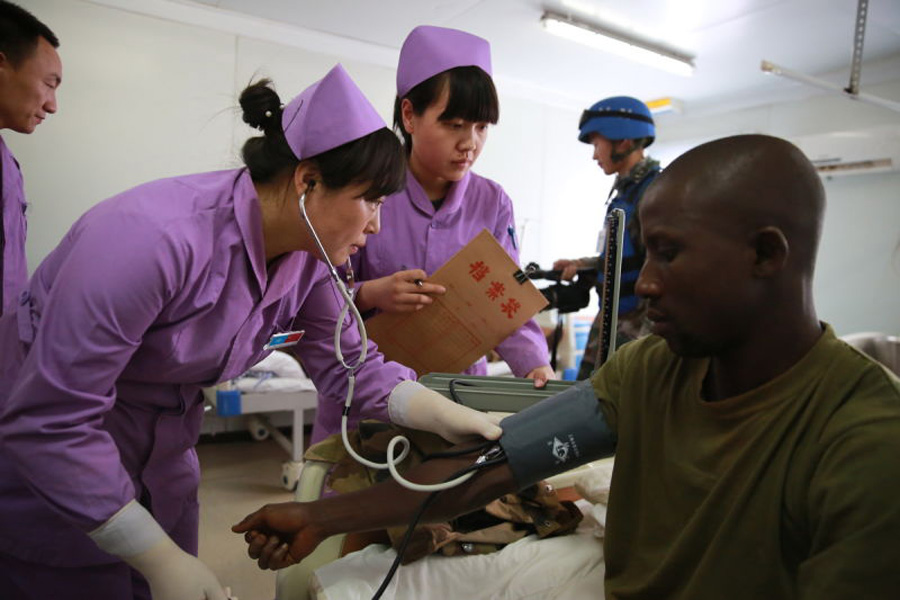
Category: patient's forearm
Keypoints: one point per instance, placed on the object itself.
(389, 504)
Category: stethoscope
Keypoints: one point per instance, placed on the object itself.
(350, 305)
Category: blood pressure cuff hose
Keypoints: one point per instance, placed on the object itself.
(557, 434)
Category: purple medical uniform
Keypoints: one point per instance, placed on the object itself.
(151, 295)
(416, 236)
(13, 267)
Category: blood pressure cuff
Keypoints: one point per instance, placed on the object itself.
(556, 434)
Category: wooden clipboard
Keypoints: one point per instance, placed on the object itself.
(488, 297)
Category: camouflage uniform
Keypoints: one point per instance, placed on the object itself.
(536, 509)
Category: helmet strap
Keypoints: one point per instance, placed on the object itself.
(617, 156)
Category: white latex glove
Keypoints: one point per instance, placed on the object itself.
(134, 535)
(413, 405)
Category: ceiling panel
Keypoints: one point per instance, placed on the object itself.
(728, 38)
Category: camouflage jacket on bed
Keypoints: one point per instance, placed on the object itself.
(536, 509)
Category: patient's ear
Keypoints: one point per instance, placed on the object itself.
(772, 250)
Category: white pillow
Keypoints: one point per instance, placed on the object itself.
(278, 372)
(281, 364)
(593, 486)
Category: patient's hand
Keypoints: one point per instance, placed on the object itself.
(280, 535)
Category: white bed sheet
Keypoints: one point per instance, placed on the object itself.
(565, 568)
(568, 567)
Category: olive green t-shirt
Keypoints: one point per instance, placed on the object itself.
(791, 490)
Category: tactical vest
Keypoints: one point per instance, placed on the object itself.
(630, 191)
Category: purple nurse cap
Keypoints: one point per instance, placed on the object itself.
(429, 50)
(327, 114)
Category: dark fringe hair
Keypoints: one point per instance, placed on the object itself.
(472, 97)
(376, 159)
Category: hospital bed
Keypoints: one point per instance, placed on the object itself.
(567, 567)
(277, 383)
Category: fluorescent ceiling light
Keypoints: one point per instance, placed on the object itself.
(618, 43)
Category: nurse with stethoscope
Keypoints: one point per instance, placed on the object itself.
(165, 289)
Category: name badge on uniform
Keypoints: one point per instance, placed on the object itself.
(283, 340)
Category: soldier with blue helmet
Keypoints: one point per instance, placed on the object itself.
(619, 128)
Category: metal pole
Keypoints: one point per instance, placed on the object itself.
(859, 33)
(769, 67)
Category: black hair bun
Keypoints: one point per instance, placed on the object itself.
(261, 106)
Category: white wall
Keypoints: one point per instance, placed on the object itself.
(145, 97)
(857, 283)
(140, 99)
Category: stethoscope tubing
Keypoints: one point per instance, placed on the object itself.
(350, 306)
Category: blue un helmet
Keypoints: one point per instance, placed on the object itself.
(617, 118)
